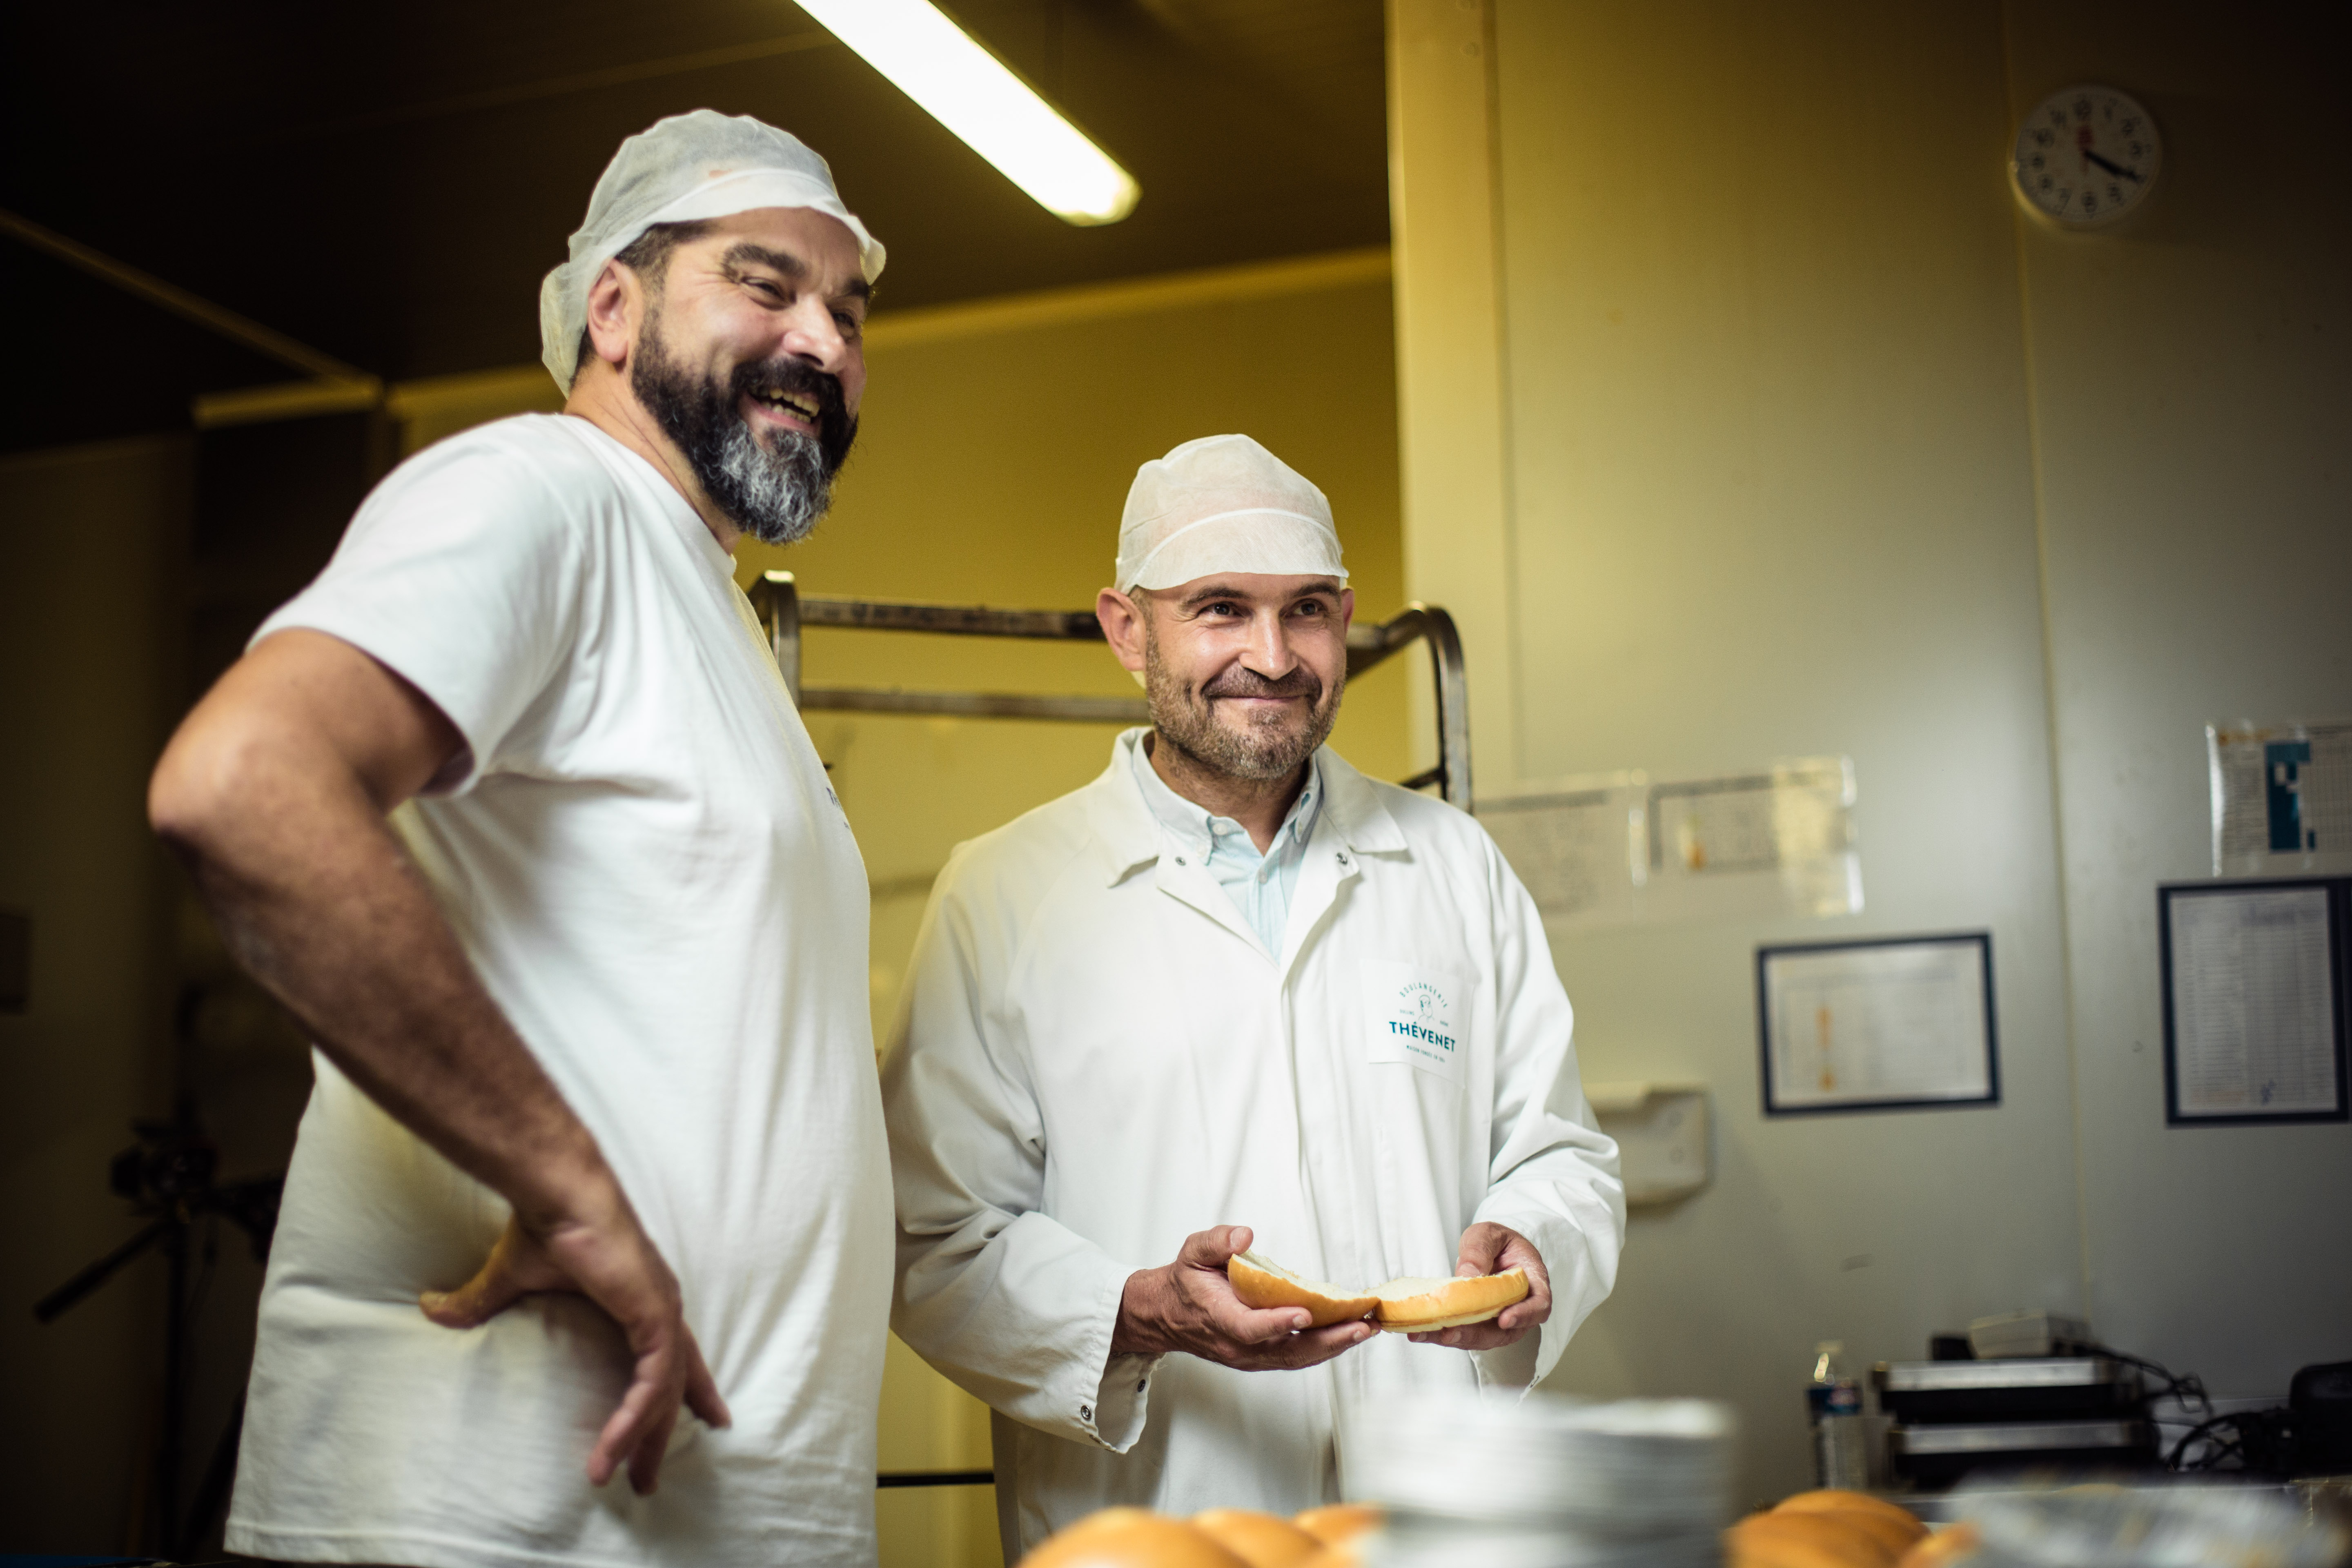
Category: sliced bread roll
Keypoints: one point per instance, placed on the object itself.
(1418, 1306)
(1262, 1283)
(1409, 1306)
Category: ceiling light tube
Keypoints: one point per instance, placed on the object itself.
(970, 92)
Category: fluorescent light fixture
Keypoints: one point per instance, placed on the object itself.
(968, 90)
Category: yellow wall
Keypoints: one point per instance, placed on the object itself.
(1794, 409)
(997, 444)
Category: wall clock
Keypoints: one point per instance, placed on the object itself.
(2085, 156)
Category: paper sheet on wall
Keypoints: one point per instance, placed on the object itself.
(1877, 1023)
(1579, 846)
(2282, 797)
(1615, 848)
(2254, 1003)
(1773, 842)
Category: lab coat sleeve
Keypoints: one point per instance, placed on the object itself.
(1006, 1302)
(1554, 1175)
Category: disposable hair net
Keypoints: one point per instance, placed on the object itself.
(1222, 504)
(685, 169)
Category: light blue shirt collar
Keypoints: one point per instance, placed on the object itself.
(1259, 885)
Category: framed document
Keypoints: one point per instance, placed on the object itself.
(2253, 1001)
(1886, 1023)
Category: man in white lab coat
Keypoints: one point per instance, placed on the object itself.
(1165, 1017)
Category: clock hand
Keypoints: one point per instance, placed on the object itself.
(2111, 168)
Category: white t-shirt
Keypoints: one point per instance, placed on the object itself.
(641, 857)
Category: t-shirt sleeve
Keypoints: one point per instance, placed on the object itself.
(465, 574)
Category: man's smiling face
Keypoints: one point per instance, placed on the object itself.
(751, 356)
(1245, 670)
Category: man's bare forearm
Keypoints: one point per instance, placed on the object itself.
(284, 831)
(275, 790)
(335, 921)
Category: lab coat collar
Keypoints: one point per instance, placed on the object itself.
(1128, 836)
(1353, 804)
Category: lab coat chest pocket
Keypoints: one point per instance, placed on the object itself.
(1420, 1015)
(1417, 1024)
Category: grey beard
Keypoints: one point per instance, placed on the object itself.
(1267, 750)
(775, 496)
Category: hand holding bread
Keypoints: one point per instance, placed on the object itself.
(1499, 1292)
(1489, 1249)
(1190, 1305)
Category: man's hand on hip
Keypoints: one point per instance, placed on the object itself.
(1190, 1306)
(1491, 1249)
(605, 1255)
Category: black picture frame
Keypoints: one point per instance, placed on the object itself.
(1981, 940)
(2338, 891)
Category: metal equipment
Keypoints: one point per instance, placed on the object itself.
(1954, 1417)
(2022, 1389)
(1936, 1455)
(783, 610)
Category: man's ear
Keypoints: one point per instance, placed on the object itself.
(616, 306)
(1122, 623)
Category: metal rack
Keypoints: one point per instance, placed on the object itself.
(783, 610)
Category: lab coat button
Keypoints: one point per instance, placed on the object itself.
(1085, 1412)
(1141, 1383)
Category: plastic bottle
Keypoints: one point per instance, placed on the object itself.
(1840, 1433)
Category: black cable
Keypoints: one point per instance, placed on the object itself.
(2258, 1440)
(2187, 1388)
(2172, 1460)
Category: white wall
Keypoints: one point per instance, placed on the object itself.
(1773, 497)
(1794, 405)
(2192, 377)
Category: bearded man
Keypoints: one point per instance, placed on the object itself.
(1231, 993)
(512, 810)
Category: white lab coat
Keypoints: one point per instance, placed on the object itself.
(1096, 1058)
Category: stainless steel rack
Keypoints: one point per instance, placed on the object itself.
(784, 610)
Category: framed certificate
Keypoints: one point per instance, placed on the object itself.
(2254, 1025)
(1881, 1024)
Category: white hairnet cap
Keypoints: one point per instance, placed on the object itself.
(685, 169)
(1223, 503)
